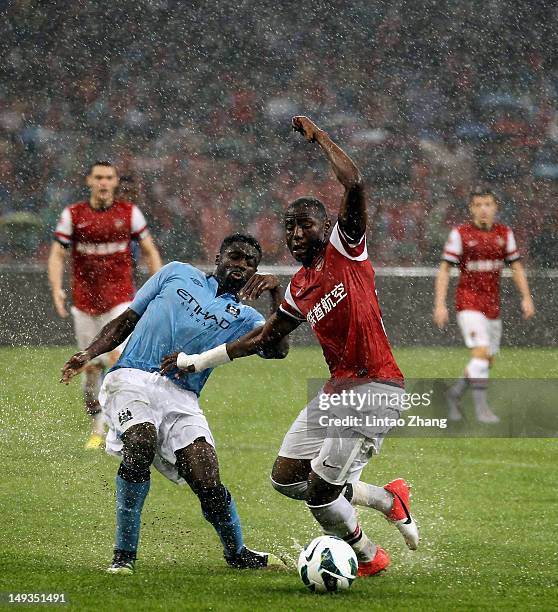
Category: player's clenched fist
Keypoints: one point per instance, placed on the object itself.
(306, 127)
(169, 363)
(74, 365)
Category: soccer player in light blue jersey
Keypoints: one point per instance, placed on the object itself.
(154, 416)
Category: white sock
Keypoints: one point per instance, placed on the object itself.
(98, 423)
(477, 370)
(339, 518)
(372, 496)
(460, 386)
(364, 548)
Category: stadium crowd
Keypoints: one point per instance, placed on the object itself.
(192, 102)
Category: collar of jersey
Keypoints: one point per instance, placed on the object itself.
(215, 286)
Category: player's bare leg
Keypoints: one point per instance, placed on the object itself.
(197, 463)
(290, 477)
(132, 486)
(91, 384)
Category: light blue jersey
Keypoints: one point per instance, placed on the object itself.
(181, 311)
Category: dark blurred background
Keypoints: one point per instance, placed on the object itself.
(192, 102)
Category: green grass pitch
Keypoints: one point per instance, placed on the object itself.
(486, 507)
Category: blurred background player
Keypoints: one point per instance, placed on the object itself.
(156, 419)
(480, 248)
(98, 233)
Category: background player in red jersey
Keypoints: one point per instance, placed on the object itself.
(480, 249)
(98, 233)
(334, 291)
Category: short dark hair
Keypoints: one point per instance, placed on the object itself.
(237, 237)
(104, 163)
(309, 202)
(481, 191)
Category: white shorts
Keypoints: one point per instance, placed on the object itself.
(478, 330)
(129, 397)
(339, 454)
(87, 326)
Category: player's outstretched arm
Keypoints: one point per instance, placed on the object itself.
(440, 313)
(520, 280)
(352, 214)
(257, 341)
(111, 336)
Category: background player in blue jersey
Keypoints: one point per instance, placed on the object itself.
(155, 418)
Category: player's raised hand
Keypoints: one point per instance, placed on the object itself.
(257, 285)
(306, 127)
(74, 365)
(527, 308)
(59, 299)
(169, 363)
(440, 316)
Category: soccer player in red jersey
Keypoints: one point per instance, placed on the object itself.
(321, 462)
(98, 234)
(480, 249)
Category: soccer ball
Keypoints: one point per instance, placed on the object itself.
(327, 564)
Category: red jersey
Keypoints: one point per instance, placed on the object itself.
(102, 272)
(337, 296)
(481, 255)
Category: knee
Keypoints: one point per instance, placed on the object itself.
(294, 490)
(321, 492)
(139, 445)
(290, 477)
(481, 352)
(198, 465)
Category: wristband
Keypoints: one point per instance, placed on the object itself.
(208, 359)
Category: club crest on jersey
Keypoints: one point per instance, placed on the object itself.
(118, 223)
(232, 309)
(196, 281)
(501, 242)
(124, 416)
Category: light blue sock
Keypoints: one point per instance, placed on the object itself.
(219, 509)
(130, 497)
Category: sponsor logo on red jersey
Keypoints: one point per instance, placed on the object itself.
(337, 297)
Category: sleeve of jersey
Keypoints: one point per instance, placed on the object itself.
(355, 251)
(289, 307)
(139, 224)
(453, 249)
(64, 228)
(512, 252)
(150, 289)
